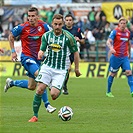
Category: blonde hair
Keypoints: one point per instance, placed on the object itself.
(57, 16)
(122, 18)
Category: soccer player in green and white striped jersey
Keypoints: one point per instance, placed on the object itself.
(60, 44)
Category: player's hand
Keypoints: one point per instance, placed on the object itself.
(77, 39)
(40, 55)
(77, 72)
(14, 57)
(112, 51)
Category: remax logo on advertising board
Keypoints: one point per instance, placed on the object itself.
(118, 12)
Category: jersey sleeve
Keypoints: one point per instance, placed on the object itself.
(16, 31)
(47, 27)
(72, 44)
(112, 34)
(43, 43)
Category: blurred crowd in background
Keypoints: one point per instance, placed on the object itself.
(94, 25)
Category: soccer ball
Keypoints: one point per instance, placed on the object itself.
(65, 113)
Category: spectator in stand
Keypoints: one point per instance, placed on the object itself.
(86, 24)
(16, 23)
(58, 10)
(129, 22)
(43, 14)
(131, 33)
(91, 17)
(50, 15)
(107, 30)
(1, 13)
(69, 11)
(79, 23)
(5, 34)
(103, 22)
(97, 31)
(89, 39)
(1, 29)
(100, 13)
(11, 23)
(132, 20)
(24, 16)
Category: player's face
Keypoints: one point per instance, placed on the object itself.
(69, 22)
(122, 24)
(57, 26)
(32, 18)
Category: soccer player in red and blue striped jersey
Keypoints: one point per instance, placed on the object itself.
(119, 46)
(30, 34)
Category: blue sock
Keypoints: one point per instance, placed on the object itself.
(110, 81)
(45, 98)
(130, 82)
(20, 83)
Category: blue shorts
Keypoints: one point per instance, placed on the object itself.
(117, 62)
(31, 65)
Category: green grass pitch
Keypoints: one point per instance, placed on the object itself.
(93, 111)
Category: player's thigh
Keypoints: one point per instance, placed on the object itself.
(58, 79)
(32, 70)
(126, 64)
(44, 75)
(115, 64)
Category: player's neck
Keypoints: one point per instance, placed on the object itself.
(69, 27)
(34, 24)
(58, 34)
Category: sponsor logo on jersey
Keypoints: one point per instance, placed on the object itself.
(55, 47)
(33, 37)
(124, 39)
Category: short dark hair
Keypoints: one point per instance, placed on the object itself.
(33, 9)
(57, 16)
(69, 15)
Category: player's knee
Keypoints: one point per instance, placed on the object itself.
(54, 93)
(112, 74)
(40, 89)
(32, 87)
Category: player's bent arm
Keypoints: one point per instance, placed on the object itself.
(109, 43)
(11, 41)
(82, 41)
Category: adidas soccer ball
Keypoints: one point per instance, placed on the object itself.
(65, 113)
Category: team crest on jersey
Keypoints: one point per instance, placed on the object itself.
(39, 28)
(55, 47)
